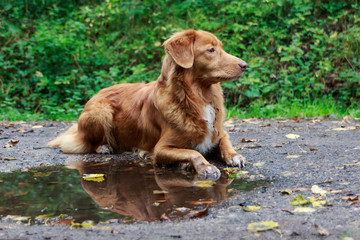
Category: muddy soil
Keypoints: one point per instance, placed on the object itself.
(319, 160)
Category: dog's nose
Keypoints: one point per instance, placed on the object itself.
(243, 65)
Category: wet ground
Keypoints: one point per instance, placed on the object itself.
(303, 180)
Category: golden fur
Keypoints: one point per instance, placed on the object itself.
(174, 117)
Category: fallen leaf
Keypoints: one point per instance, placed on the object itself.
(288, 211)
(9, 159)
(11, 143)
(81, 225)
(165, 218)
(344, 128)
(317, 190)
(182, 209)
(247, 141)
(293, 156)
(313, 149)
(322, 231)
(204, 183)
(201, 201)
(231, 170)
(259, 164)
(292, 136)
(42, 174)
(37, 126)
(299, 200)
(304, 210)
(251, 208)
(301, 189)
(99, 177)
(286, 191)
(239, 174)
(286, 173)
(262, 226)
(195, 214)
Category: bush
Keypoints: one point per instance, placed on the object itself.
(56, 54)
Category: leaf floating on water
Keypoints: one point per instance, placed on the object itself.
(204, 183)
(42, 174)
(299, 200)
(262, 226)
(251, 208)
(304, 210)
(99, 177)
(292, 136)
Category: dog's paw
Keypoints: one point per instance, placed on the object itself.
(236, 160)
(208, 171)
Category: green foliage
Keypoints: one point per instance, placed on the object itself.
(55, 55)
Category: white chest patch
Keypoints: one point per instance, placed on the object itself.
(209, 117)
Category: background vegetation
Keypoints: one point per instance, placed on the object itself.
(56, 54)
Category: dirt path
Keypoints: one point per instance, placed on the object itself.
(319, 160)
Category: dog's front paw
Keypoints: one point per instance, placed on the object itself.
(235, 160)
(208, 171)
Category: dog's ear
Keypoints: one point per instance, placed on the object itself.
(181, 48)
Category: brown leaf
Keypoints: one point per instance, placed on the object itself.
(322, 231)
(247, 141)
(313, 149)
(195, 214)
(11, 143)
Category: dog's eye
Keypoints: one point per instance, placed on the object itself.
(211, 50)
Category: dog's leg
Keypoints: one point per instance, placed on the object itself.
(228, 153)
(171, 155)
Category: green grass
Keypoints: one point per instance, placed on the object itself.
(299, 108)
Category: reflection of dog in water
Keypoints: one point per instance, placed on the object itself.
(139, 192)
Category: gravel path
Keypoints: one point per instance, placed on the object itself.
(319, 160)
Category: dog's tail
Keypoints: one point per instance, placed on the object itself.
(71, 142)
(94, 129)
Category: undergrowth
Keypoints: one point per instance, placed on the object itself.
(56, 54)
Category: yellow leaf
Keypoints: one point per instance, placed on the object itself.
(292, 136)
(293, 156)
(317, 42)
(250, 208)
(334, 34)
(37, 126)
(304, 210)
(80, 225)
(259, 164)
(94, 177)
(299, 200)
(204, 183)
(318, 190)
(262, 226)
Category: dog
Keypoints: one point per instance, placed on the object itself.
(178, 118)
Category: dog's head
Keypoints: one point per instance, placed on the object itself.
(202, 52)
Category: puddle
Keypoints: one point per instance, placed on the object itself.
(129, 192)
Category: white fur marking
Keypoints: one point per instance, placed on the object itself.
(209, 117)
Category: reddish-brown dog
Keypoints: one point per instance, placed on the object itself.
(178, 118)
